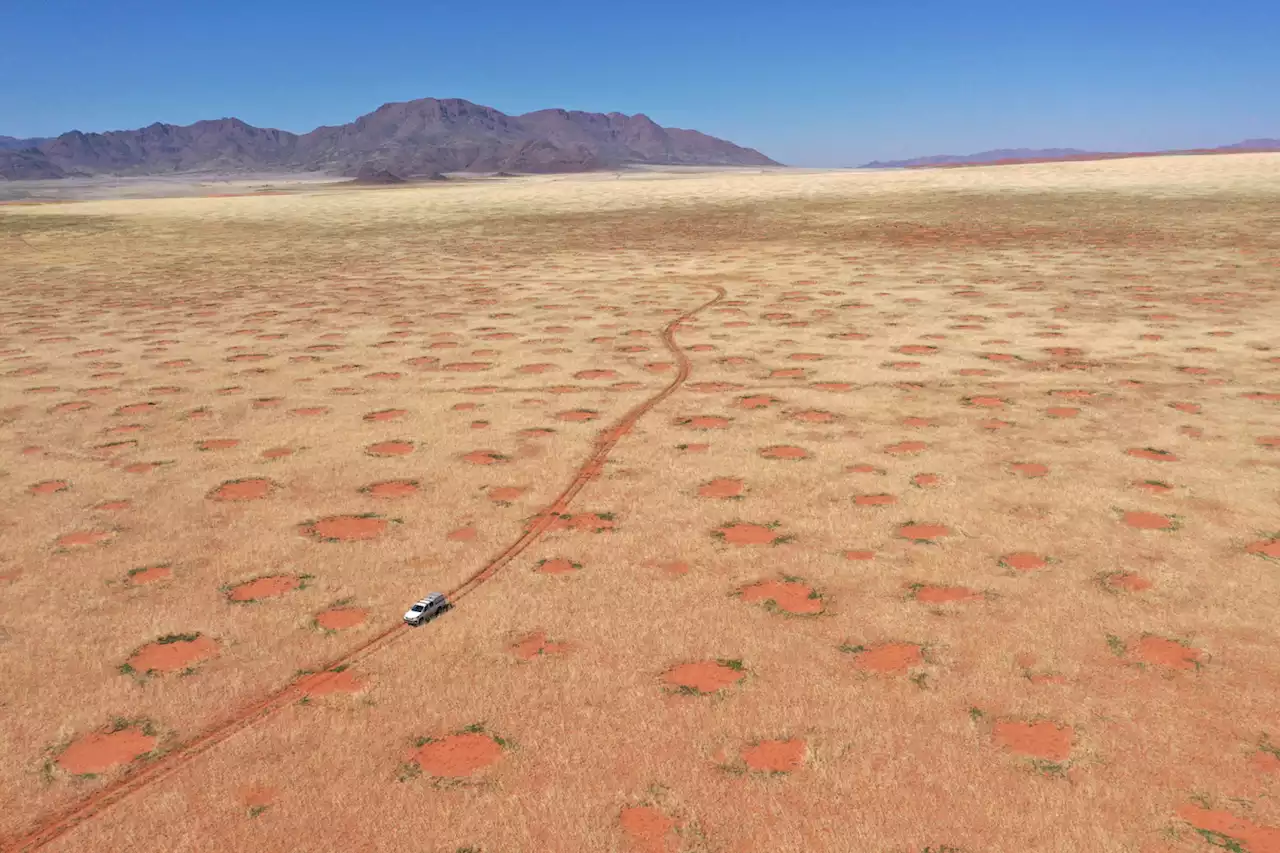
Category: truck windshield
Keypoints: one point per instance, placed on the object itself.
(418, 608)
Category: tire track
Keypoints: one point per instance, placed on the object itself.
(55, 826)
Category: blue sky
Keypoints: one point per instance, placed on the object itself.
(817, 83)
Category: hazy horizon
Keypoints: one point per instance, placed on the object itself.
(834, 86)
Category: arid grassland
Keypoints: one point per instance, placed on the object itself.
(854, 512)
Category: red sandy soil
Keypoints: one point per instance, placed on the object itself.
(218, 444)
(458, 756)
(1030, 469)
(906, 447)
(505, 494)
(390, 448)
(860, 555)
(775, 756)
(170, 657)
(483, 457)
(1128, 581)
(814, 416)
(251, 489)
(724, 487)
(874, 500)
(83, 538)
(341, 618)
(1163, 652)
(703, 676)
(1249, 836)
(1147, 521)
(782, 451)
(100, 751)
(747, 534)
(391, 489)
(346, 528)
(578, 415)
(49, 487)
(1024, 561)
(557, 566)
(1042, 739)
(926, 480)
(923, 532)
(1265, 548)
(151, 574)
(269, 587)
(648, 830)
(946, 594)
(537, 644)
(277, 452)
(790, 596)
(704, 422)
(889, 658)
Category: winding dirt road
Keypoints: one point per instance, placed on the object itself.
(56, 825)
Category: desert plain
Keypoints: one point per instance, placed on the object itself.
(873, 512)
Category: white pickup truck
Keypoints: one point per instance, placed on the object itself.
(426, 609)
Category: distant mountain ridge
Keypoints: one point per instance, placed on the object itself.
(999, 156)
(410, 138)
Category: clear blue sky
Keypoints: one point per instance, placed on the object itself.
(817, 83)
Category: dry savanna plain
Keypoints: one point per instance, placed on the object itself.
(864, 512)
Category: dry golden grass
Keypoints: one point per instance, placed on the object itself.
(1075, 312)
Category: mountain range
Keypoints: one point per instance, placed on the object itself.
(412, 138)
(999, 156)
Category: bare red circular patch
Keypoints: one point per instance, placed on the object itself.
(218, 444)
(1029, 469)
(457, 756)
(277, 452)
(703, 422)
(1163, 652)
(346, 528)
(1128, 581)
(813, 416)
(648, 829)
(782, 451)
(1148, 521)
(929, 594)
(1062, 412)
(1044, 739)
(536, 644)
(341, 618)
(775, 756)
(1023, 561)
(84, 538)
(874, 500)
(269, 587)
(391, 489)
(558, 566)
(889, 657)
(173, 653)
(100, 751)
(904, 447)
(723, 487)
(923, 532)
(743, 533)
(49, 487)
(249, 489)
(484, 457)
(789, 596)
(390, 448)
(703, 676)
(150, 574)
(926, 480)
